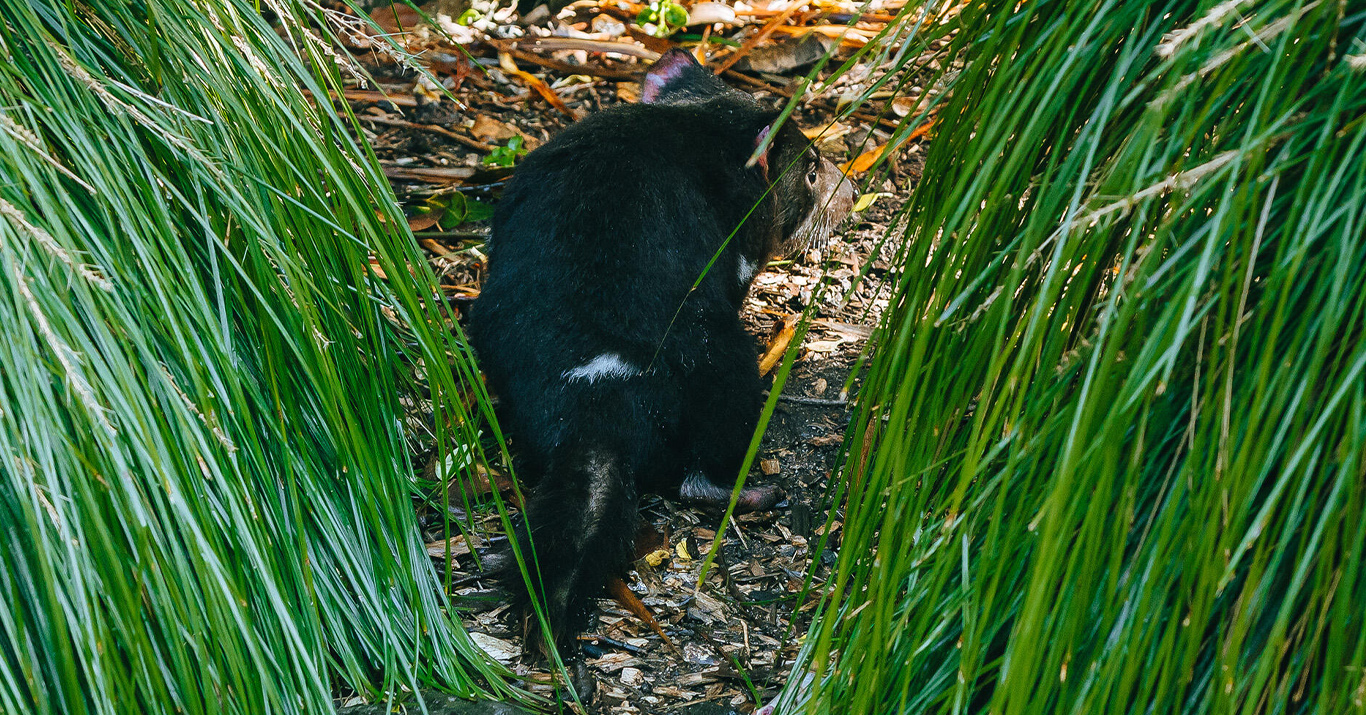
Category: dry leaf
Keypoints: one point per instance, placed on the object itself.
(612, 662)
(631, 602)
(785, 55)
(452, 175)
(864, 161)
(845, 34)
(422, 222)
(865, 200)
(488, 128)
(753, 40)
(707, 609)
(628, 92)
(509, 66)
(396, 19)
(606, 26)
(778, 346)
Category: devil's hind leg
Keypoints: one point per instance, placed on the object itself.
(720, 410)
(580, 520)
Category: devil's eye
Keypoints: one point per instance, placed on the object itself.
(811, 176)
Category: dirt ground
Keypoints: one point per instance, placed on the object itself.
(731, 642)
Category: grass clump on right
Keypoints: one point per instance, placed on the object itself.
(1110, 453)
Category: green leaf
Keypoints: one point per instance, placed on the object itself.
(506, 155)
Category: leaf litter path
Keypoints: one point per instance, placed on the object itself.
(441, 144)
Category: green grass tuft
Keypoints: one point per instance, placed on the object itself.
(205, 495)
(1116, 425)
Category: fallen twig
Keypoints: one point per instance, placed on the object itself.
(574, 43)
(431, 175)
(370, 95)
(818, 401)
(620, 645)
(467, 141)
(473, 233)
(565, 67)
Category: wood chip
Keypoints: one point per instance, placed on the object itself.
(711, 13)
(455, 546)
(499, 649)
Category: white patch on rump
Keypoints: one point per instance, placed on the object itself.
(746, 271)
(599, 495)
(603, 366)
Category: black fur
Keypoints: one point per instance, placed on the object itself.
(597, 241)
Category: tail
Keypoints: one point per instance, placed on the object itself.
(582, 523)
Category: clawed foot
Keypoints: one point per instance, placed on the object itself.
(700, 491)
(758, 499)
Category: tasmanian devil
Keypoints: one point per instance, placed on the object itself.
(619, 371)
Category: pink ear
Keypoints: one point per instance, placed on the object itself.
(669, 68)
(762, 159)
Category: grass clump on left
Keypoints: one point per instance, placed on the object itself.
(205, 498)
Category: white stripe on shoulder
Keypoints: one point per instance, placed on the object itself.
(746, 270)
(603, 366)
